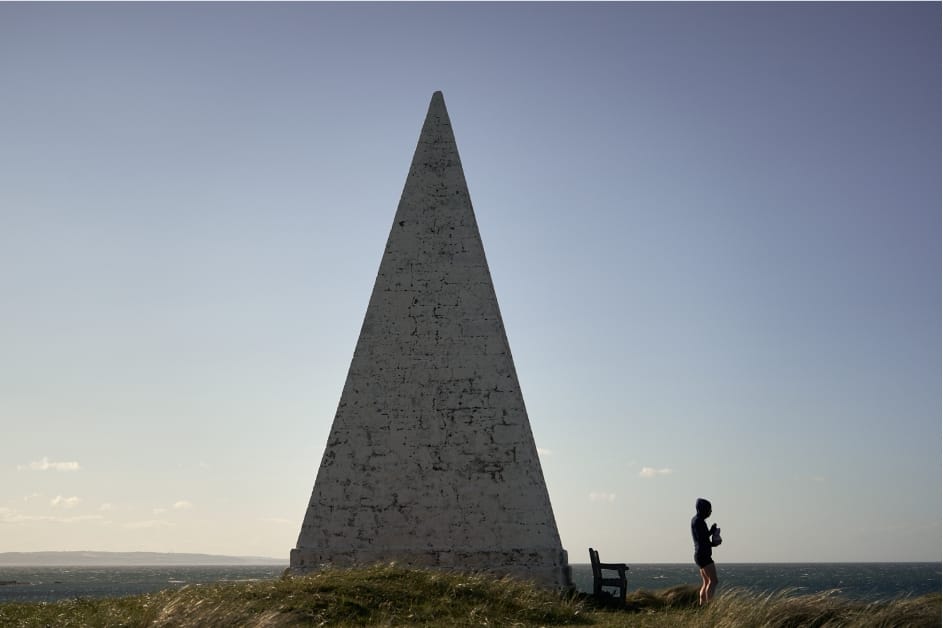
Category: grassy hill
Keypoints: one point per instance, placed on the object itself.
(393, 596)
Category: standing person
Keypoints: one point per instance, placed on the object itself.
(704, 542)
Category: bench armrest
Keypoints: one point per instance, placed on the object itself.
(615, 566)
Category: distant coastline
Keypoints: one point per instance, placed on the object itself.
(128, 559)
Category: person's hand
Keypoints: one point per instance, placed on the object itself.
(713, 528)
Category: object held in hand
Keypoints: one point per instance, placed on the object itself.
(715, 535)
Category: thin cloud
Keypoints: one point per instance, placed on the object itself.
(602, 497)
(79, 518)
(46, 465)
(159, 511)
(106, 507)
(650, 472)
(64, 502)
(10, 516)
(182, 505)
(150, 523)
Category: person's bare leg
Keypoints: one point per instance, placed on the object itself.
(702, 593)
(711, 573)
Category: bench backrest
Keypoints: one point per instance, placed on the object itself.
(594, 559)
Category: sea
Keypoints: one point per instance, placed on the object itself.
(862, 581)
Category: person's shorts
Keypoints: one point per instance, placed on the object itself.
(702, 560)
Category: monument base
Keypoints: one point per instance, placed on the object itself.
(544, 567)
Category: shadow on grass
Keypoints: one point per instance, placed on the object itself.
(678, 597)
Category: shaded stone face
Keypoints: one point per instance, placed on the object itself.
(431, 460)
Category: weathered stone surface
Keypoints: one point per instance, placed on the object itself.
(430, 460)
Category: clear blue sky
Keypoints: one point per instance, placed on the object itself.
(714, 232)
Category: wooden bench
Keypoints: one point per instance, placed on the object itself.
(599, 582)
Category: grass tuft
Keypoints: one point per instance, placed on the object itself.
(379, 595)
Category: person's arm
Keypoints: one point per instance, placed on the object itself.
(703, 536)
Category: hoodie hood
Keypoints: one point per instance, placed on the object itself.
(703, 507)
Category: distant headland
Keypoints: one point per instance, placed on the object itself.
(127, 559)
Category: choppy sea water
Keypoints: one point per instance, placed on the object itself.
(867, 581)
(49, 584)
(864, 581)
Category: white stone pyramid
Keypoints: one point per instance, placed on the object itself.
(430, 461)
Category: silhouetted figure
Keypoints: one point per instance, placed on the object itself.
(704, 542)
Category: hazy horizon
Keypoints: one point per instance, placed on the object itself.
(116, 558)
(285, 560)
(713, 228)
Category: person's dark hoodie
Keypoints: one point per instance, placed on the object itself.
(699, 532)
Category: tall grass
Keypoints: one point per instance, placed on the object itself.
(736, 608)
(393, 596)
(786, 610)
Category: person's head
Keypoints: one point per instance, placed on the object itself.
(703, 507)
